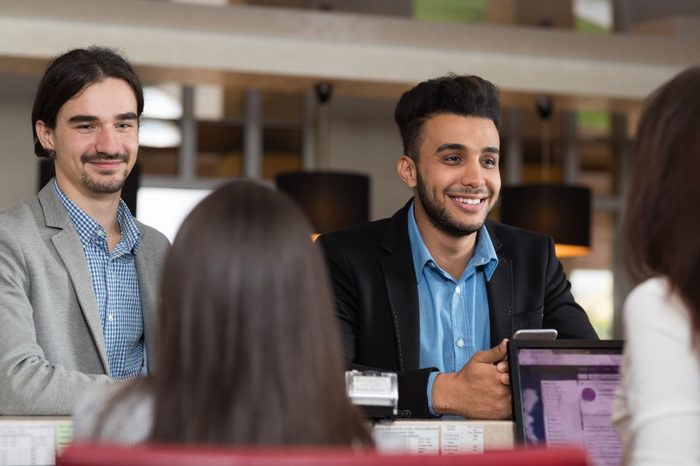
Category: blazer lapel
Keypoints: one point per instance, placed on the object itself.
(500, 294)
(402, 292)
(68, 246)
(146, 274)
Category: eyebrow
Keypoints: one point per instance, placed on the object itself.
(462, 147)
(452, 146)
(92, 118)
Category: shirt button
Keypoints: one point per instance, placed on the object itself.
(110, 317)
(460, 343)
(458, 290)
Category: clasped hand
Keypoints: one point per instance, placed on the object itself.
(480, 390)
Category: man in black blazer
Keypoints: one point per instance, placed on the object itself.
(433, 291)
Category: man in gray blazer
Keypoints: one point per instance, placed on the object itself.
(79, 275)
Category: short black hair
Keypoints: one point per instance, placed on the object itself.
(466, 95)
(70, 73)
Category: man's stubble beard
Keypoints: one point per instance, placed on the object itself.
(440, 217)
(112, 184)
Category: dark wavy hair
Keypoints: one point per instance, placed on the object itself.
(68, 74)
(459, 95)
(248, 346)
(661, 220)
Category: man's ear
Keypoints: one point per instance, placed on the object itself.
(45, 135)
(407, 170)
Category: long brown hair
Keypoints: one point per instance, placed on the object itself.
(661, 228)
(248, 349)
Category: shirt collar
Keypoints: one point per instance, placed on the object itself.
(484, 252)
(88, 228)
(420, 253)
(131, 235)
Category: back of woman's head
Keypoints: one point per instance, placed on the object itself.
(248, 345)
(662, 216)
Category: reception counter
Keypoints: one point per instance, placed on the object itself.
(35, 440)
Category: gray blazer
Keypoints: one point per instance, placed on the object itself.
(51, 341)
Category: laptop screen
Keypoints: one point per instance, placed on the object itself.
(563, 392)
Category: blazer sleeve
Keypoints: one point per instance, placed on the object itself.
(29, 383)
(561, 311)
(344, 296)
(413, 383)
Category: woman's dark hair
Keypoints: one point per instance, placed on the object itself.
(469, 96)
(660, 230)
(68, 74)
(248, 346)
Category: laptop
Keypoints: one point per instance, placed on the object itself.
(563, 392)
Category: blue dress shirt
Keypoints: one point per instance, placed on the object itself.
(454, 315)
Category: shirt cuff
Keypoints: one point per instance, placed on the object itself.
(431, 380)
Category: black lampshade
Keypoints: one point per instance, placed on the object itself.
(561, 211)
(331, 200)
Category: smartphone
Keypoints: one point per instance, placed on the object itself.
(535, 334)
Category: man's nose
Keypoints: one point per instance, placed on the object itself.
(472, 174)
(107, 141)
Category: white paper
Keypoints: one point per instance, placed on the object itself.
(461, 438)
(407, 439)
(27, 445)
(445, 438)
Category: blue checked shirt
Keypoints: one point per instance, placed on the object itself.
(116, 286)
(454, 315)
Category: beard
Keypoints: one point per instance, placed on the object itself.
(439, 215)
(104, 184)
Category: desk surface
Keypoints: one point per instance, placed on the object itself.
(36, 438)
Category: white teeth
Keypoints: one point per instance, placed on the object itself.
(469, 201)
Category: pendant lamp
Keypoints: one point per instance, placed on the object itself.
(330, 199)
(561, 211)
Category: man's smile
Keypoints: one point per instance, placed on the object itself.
(467, 200)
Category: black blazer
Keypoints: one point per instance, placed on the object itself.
(373, 278)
